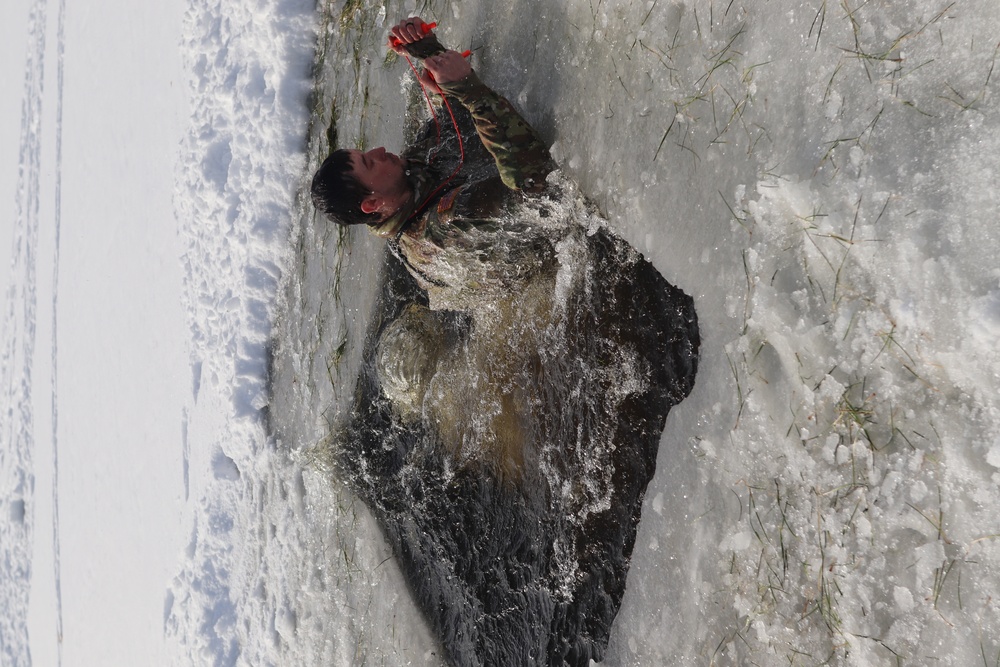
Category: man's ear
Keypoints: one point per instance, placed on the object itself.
(370, 204)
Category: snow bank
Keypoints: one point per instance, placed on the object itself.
(17, 435)
(241, 167)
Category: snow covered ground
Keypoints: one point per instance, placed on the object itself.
(94, 335)
(821, 176)
(101, 321)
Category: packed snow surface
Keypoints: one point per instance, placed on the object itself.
(821, 176)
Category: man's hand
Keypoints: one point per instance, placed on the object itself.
(406, 32)
(447, 67)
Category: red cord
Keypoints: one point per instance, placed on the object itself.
(437, 125)
(430, 105)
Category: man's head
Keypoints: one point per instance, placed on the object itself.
(352, 187)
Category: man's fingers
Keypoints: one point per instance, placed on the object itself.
(408, 31)
(448, 66)
(441, 60)
(415, 30)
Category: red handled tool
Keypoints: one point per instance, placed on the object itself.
(425, 28)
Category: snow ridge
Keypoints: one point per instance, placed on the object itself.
(239, 169)
(16, 420)
(56, 555)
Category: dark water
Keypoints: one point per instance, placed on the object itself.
(510, 485)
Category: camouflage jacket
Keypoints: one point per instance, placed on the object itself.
(460, 237)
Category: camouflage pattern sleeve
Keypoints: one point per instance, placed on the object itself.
(520, 154)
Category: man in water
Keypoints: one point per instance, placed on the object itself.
(505, 450)
(423, 202)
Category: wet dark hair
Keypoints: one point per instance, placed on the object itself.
(337, 193)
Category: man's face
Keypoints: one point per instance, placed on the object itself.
(382, 174)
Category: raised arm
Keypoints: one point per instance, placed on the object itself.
(521, 156)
